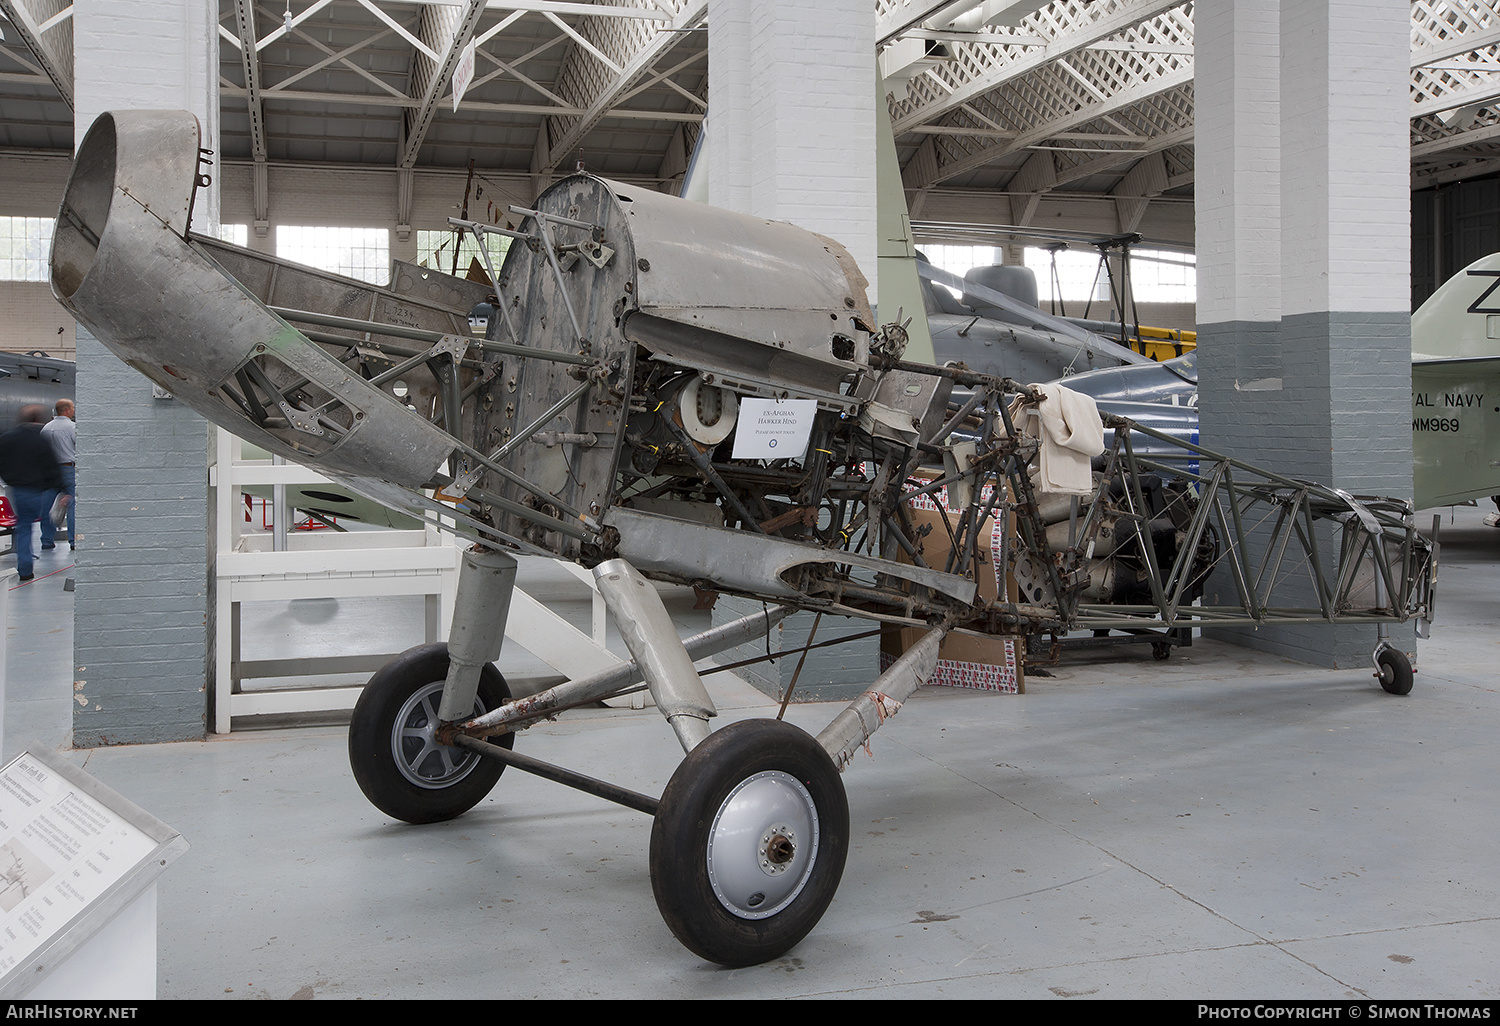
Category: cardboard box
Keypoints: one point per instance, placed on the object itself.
(964, 660)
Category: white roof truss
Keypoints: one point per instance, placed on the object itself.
(45, 26)
(1082, 88)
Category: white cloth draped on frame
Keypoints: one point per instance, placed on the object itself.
(1071, 433)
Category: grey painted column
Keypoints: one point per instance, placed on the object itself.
(141, 607)
(1321, 393)
(1346, 286)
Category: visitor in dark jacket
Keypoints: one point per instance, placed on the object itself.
(29, 469)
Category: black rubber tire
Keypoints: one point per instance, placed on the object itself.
(1395, 671)
(1161, 651)
(757, 754)
(454, 780)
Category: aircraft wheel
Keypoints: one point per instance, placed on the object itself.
(1161, 651)
(749, 842)
(1395, 671)
(397, 760)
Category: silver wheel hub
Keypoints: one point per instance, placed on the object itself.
(762, 845)
(414, 744)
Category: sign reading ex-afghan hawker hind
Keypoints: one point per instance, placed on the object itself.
(1452, 411)
(773, 430)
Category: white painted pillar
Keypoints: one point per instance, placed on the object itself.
(138, 55)
(1237, 140)
(791, 116)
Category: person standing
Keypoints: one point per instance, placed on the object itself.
(28, 466)
(62, 432)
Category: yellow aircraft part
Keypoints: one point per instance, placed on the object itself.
(1163, 343)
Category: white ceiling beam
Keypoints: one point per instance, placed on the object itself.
(665, 78)
(439, 73)
(1445, 176)
(297, 19)
(509, 69)
(560, 7)
(579, 38)
(1441, 29)
(401, 100)
(37, 74)
(400, 29)
(1421, 56)
(988, 37)
(1141, 184)
(1107, 162)
(1079, 38)
(1435, 149)
(346, 62)
(641, 63)
(331, 58)
(57, 19)
(898, 20)
(1050, 129)
(1475, 95)
(497, 28)
(39, 23)
(244, 20)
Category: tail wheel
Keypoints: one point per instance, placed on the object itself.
(393, 748)
(749, 842)
(1395, 672)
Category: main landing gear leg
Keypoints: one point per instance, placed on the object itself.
(653, 640)
(398, 760)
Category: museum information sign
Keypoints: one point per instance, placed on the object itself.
(72, 854)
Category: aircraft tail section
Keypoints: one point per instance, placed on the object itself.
(1455, 390)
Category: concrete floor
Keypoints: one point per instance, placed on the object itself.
(1221, 825)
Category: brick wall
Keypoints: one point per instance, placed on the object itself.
(140, 636)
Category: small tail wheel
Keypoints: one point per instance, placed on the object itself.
(393, 748)
(749, 842)
(1161, 651)
(1395, 671)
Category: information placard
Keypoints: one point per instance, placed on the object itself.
(770, 429)
(72, 853)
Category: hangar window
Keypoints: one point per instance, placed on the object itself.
(959, 259)
(1156, 276)
(235, 234)
(1075, 277)
(435, 250)
(24, 245)
(1162, 276)
(363, 253)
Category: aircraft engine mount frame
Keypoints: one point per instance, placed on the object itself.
(598, 421)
